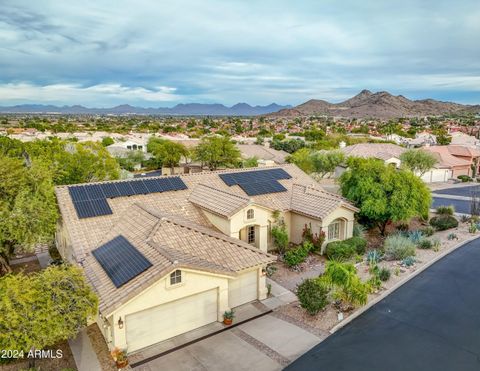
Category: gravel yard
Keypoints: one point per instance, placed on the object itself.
(328, 318)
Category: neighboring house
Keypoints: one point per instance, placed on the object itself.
(167, 255)
(467, 153)
(262, 153)
(420, 140)
(462, 139)
(120, 149)
(454, 165)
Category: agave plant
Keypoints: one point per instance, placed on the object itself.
(373, 257)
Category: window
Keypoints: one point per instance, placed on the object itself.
(250, 214)
(251, 234)
(129, 147)
(334, 231)
(176, 277)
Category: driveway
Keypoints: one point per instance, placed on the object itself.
(429, 324)
(266, 343)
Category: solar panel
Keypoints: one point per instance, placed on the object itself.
(120, 260)
(254, 176)
(261, 188)
(94, 191)
(110, 190)
(78, 193)
(139, 188)
(91, 208)
(125, 189)
(91, 199)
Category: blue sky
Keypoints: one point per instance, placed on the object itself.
(159, 53)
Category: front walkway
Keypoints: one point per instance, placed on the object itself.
(83, 353)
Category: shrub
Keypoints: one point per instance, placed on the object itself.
(373, 257)
(316, 239)
(298, 254)
(408, 261)
(445, 210)
(349, 289)
(464, 178)
(436, 244)
(464, 218)
(384, 274)
(359, 243)
(280, 238)
(398, 247)
(339, 250)
(425, 244)
(312, 294)
(427, 231)
(472, 228)
(415, 236)
(358, 230)
(443, 222)
(452, 236)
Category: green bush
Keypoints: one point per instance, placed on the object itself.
(344, 250)
(425, 244)
(443, 222)
(464, 178)
(398, 247)
(312, 294)
(339, 250)
(298, 254)
(358, 230)
(359, 243)
(280, 238)
(384, 274)
(445, 210)
(427, 231)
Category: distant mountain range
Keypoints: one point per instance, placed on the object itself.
(382, 105)
(190, 109)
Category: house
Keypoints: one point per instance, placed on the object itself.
(387, 152)
(451, 165)
(167, 255)
(120, 149)
(467, 153)
(462, 139)
(263, 153)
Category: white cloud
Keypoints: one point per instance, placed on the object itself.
(75, 94)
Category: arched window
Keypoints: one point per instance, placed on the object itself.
(176, 277)
(250, 214)
(334, 230)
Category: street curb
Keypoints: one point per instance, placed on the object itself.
(397, 285)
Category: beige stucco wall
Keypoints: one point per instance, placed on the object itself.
(160, 292)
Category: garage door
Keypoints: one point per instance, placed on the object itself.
(153, 325)
(243, 289)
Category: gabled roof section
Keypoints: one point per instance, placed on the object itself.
(315, 202)
(217, 201)
(168, 242)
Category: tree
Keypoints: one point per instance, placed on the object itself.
(250, 162)
(383, 193)
(417, 161)
(302, 158)
(216, 151)
(167, 152)
(41, 309)
(132, 159)
(107, 141)
(326, 162)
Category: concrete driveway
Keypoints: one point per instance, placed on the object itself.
(266, 343)
(429, 324)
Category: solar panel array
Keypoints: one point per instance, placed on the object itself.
(257, 182)
(90, 199)
(120, 260)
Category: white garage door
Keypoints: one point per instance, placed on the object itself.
(243, 289)
(153, 325)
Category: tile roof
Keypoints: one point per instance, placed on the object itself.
(169, 242)
(171, 230)
(444, 158)
(316, 202)
(262, 152)
(383, 151)
(217, 201)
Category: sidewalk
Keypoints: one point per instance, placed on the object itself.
(83, 353)
(280, 296)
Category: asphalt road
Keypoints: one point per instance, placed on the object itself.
(461, 206)
(432, 323)
(459, 191)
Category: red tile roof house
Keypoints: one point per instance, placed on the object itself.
(459, 164)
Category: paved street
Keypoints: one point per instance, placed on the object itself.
(461, 206)
(430, 324)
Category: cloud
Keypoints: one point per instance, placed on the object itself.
(95, 94)
(217, 51)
